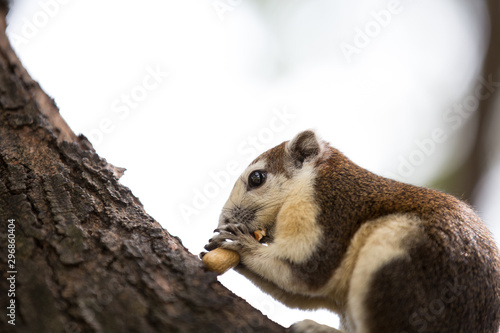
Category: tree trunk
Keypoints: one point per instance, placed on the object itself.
(479, 162)
(465, 180)
(79, 253)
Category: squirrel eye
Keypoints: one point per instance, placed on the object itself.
(256, 178)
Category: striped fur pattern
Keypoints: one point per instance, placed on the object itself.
(386, 256)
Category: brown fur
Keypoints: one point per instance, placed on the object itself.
(458, 251)
(449, 279)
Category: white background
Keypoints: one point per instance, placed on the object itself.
(233, 78)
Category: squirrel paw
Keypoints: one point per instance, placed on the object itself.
(234, 236)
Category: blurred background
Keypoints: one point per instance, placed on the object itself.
(184, 94)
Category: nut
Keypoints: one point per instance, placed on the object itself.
(220, 260)
(259, 234)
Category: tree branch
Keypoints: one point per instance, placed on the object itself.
(88, 258)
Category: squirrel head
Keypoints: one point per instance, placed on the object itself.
(271, 179)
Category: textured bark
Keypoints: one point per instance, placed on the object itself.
(88, 257)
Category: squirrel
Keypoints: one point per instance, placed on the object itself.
(384, 255)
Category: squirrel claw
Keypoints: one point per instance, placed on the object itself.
(236, 229)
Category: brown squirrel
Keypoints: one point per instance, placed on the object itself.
(386, 256)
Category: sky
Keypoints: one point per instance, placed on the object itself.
(184, 94)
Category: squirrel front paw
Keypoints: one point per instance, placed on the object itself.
(232, 236)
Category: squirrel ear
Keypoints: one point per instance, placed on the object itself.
(305, 146)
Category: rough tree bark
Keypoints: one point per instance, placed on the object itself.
(88, 258)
